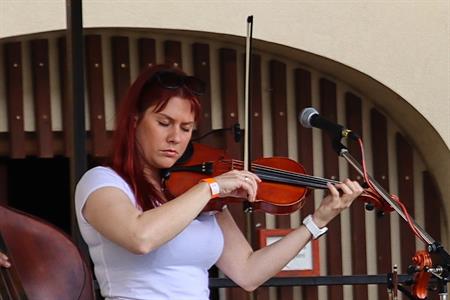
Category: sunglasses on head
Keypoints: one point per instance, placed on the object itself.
(171, 80)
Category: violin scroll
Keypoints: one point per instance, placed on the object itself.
(373, 201)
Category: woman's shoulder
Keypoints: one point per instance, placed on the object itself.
(102, 171)
(101, 176)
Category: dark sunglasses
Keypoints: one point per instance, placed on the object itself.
(171, 80)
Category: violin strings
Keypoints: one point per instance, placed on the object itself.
(282, 179)
(274, 174)
(290, 174)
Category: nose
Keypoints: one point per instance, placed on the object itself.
(174, 136)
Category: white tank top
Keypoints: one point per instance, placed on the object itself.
(176, 270)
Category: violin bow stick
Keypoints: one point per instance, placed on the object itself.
(247, 103)
(247, 129)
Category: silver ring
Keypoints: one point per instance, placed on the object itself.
(246, 178)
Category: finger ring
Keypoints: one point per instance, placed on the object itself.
(246, 178)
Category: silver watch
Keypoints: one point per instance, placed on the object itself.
(313, 228)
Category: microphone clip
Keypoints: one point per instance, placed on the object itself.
(347, 133)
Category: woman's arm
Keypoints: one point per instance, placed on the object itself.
(111, 213)
(248, 268)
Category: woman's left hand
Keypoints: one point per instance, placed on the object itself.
(334, 203)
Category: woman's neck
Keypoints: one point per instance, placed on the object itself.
(153, 177)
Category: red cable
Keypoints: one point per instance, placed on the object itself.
(372, 193)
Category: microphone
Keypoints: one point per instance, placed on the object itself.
(309, 117)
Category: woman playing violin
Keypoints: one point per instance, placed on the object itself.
(145, 245)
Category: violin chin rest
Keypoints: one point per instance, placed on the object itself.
(187, 154)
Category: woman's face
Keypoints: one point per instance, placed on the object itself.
(163, 136)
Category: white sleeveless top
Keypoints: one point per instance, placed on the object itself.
(176, 270)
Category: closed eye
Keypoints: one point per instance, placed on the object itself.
(164, 124)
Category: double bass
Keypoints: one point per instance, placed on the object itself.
(45, 262)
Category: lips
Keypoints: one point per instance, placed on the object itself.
(170, 153)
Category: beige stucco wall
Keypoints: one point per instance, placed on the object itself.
(404, 45)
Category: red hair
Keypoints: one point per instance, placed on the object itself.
(126, 157)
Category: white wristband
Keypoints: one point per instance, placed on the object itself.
(214, 186)
(312, 227)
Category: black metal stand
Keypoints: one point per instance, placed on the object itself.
(441, 272)
(317, 280)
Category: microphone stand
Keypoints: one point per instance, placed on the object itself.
(440, 272)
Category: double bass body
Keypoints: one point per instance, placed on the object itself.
(46, 264)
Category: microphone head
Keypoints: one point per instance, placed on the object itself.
(305, 116)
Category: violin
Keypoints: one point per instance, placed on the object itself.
(284, 185)
(45, 263)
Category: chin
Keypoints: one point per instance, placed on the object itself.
(167, 163)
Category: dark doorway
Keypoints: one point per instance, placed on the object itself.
(41, 187)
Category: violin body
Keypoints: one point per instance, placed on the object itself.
(273, 197)
(282, 191)
(280, 198)
(46, 261)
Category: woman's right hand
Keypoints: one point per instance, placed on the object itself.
(340, 197)
(238, 184)
(4, 261)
